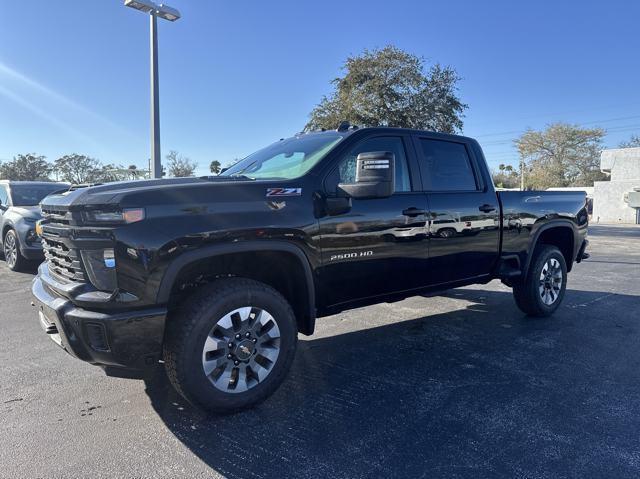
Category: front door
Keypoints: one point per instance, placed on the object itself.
(380, 246)
(464, 231)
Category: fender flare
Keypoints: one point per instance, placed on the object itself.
(555, 223)
(7, 225)
(174, 268)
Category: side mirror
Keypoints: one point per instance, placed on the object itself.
(375, 176)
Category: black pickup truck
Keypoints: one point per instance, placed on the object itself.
(214, 277)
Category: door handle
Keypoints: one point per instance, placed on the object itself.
(487, 208)
(414, 212)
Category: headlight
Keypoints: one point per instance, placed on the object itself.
(101, 268)
(127, 215)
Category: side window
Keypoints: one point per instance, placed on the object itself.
(446, 166)
(394, 144)
(4, 198)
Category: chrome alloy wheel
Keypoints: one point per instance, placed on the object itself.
(10, 250)
(241, 349)
(550, 282)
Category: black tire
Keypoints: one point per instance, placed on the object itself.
(11, 250)
(447, 233)
(533, 294)
(190, 326)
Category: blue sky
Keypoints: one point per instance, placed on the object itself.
(74, 74)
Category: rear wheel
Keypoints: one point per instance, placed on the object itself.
(11, 246)
(231, 345)
(542, 291)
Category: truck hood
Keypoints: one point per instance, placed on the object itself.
(138, 193)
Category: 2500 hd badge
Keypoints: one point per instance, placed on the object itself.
(361, 254)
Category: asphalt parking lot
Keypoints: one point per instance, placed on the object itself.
(455, 385)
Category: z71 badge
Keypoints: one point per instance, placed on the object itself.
(283, 192)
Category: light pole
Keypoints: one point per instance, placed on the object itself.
(172, 15)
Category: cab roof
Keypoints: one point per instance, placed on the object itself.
(386, 129)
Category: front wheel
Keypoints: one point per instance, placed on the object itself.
(230, 345)
(13, 257)
(543, 289)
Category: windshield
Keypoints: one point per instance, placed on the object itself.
(32, 195)
(286, 159)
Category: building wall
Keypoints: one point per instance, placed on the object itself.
(608, 202)
(622, 163)
(608, 196)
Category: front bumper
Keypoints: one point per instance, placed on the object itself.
(124, 344)
(32, 252)
(30, 245)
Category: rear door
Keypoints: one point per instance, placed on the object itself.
(380, 246)
(464, 218)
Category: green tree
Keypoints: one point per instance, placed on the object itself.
(112, 172)
(214, 167)
(27, 167)
(506, 177)
(180, 166)
(77, 169)
(633, 142)
(561, 155)
(390, 87)
(109, 173)
(133, 173)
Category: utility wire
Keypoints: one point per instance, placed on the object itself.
(594, 122)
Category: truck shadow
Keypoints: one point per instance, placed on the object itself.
(476, 392)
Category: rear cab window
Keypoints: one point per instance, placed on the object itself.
(446, 166)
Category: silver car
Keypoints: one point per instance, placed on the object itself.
(19, 213)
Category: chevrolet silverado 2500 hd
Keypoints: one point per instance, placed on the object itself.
(19, 213)
(214, 277)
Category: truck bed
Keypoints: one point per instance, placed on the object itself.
(528, 214)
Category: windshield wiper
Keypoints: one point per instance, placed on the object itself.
(240, 176)
(227, 178)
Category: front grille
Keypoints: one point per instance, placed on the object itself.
(64, 262)
(56, 215)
